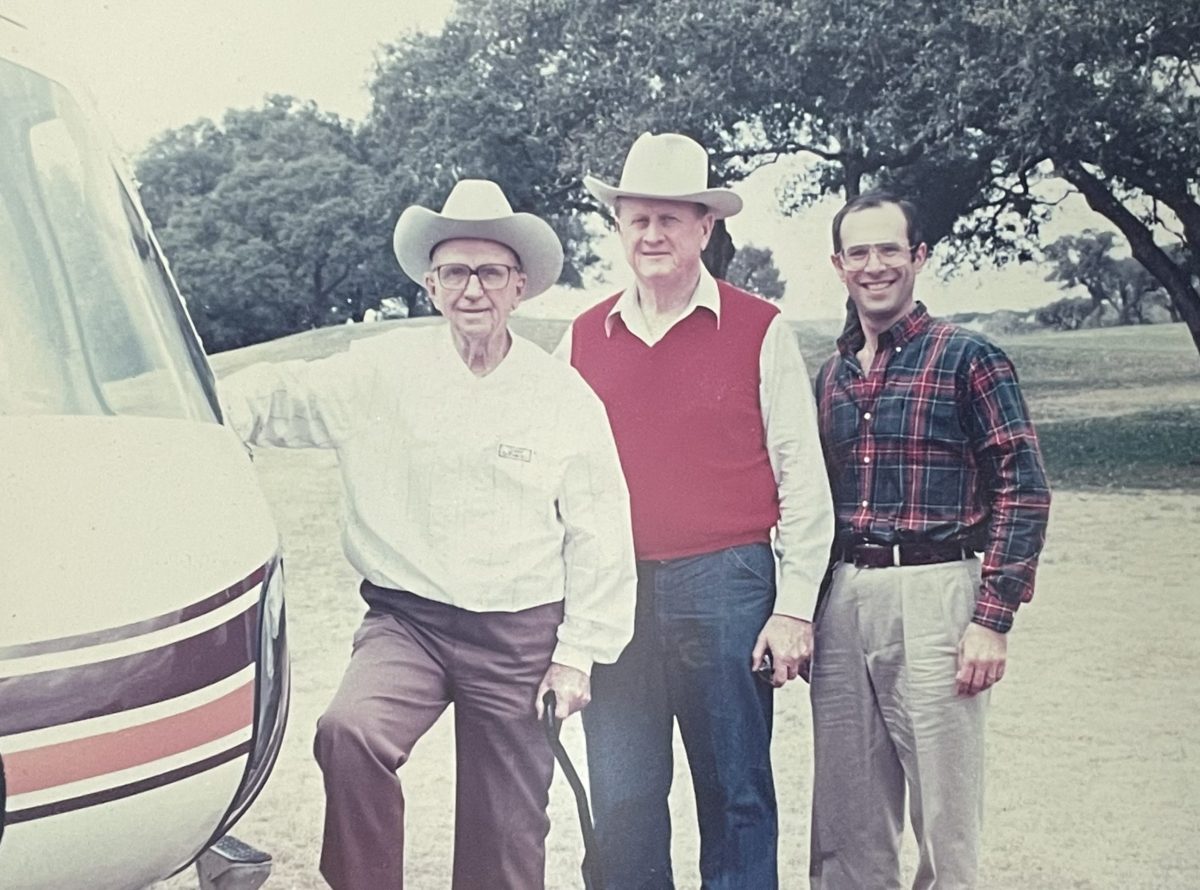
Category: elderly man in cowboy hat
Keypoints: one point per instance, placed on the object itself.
(714, 420)
(487, 515)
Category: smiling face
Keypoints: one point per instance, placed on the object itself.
(882, 293)
(474, 312)
(663, 239)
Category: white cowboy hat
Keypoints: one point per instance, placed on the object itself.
(477, 208)
(667, 167)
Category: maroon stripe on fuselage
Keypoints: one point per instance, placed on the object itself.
(65, 695)
(111, 794)
(137, 628)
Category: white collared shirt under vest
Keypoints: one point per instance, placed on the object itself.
(494, 494)
(793, 442)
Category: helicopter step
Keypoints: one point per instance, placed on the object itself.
(230, 864)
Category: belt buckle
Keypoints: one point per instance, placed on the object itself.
(863, 560)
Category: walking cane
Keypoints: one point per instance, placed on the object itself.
(593, 878)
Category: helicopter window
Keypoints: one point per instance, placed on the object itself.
(92, 321)
(33, 375)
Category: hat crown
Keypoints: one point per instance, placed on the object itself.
(667, 167)
(476, 199)
(665, 164)
(478, 209)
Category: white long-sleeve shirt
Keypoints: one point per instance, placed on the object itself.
(805, 529)
(493, 493)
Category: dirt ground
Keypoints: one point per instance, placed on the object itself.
(1094, 735)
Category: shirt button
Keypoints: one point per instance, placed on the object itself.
(897, 348)
(866, 460)
(867, 416)
(864, 503)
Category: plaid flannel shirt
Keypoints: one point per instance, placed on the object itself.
(935, 445)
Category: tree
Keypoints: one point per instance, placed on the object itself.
(274, 221)
(1067, 314)
(534, 93)
(753, 269)
(970, 106)
(976, 106)
(981, 111)
(1121, 282)
(1120, 102)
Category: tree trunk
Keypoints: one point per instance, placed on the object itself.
(719, 253)
(315, 315)
(1174, 280)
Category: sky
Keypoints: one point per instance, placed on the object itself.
(153, 65)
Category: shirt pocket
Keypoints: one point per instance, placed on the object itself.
(524, 474)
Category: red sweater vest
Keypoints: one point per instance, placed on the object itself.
(688, 424)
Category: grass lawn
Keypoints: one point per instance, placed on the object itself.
(1116, 408)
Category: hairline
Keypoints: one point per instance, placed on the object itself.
(701, 208)
(878, 198)
(512, 250)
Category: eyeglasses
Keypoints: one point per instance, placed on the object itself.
(492, 276)
(889, 253)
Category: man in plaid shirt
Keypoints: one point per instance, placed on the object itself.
(932, 460)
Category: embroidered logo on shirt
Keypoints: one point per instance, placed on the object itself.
(513, 452)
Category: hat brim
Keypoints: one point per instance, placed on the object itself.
(419, 230)
(721, 202)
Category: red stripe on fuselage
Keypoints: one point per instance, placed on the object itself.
(39, 768)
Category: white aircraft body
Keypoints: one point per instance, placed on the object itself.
(143, 662)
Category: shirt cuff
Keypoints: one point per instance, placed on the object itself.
(796, 597)
(994, 613)
(573, 657)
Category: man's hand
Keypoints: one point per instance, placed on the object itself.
(790, 642)
(982, 654)
(572, 690)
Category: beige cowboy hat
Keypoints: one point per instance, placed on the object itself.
(667, 167)
(477, 208)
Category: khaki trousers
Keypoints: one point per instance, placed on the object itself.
(409, 663)
(886, 717)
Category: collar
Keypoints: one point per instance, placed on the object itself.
(902, 332)
(705, 296)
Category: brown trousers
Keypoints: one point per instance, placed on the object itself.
(408, 664)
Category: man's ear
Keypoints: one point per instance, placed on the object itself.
(920, 255)
(837, 265)
(431, 289)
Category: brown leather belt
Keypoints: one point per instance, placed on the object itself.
(880, 556)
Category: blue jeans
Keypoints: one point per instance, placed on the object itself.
(697, 620)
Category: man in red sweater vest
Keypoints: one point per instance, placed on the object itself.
(715, 424)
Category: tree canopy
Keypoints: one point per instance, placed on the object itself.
(975, 109)
(987, 114)
(1122, 283)
(274, 221)
(753, 268)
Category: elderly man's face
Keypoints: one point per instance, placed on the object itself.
(663, 239)
(478, 307)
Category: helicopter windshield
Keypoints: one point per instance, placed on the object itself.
(90, 322)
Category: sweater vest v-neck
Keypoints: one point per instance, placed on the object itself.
(688, 424)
